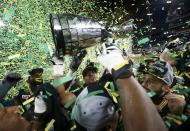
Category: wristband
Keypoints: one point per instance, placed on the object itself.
(39, 116)
(122, 71)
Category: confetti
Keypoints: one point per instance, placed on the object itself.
(14, 56)
(143, 41)
(1, 23)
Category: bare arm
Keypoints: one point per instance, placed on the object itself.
(138, 111)
(65, 97)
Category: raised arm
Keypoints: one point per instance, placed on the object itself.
(138, 111)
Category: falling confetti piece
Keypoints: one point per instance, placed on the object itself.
(4, 63)
(143, 41)
(1, 23)
(14, 56)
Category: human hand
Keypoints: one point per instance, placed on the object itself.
(58, 67)
(109, 56)
(176, 103)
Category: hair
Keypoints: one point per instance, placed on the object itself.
(88, 69)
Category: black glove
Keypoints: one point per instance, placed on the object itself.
(77, 60)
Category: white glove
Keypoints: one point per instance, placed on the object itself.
(110, 57)
(58, 70)
(39, 104)
(58, 67)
